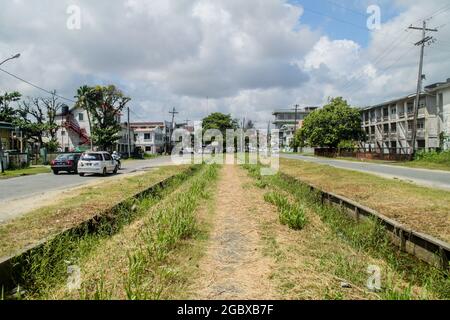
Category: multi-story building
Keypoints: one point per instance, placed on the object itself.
(150, 136)
(74, 132)
(285, 122)
(389, 125)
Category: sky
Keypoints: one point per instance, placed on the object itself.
(243, 57)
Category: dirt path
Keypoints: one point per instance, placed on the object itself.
(234, 266)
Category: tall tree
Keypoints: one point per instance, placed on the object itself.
(8, 113)
(37, 118)
(335, 123)
(104, 104)
(219, 121)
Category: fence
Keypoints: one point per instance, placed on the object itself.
(392, 154)
(13, 160)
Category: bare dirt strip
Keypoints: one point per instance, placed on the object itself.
(234, 266)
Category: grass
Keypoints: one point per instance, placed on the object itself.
(349, 247)
(129, 258)
(82, 204)
(8, 174)
(431, 160)
(291, 214)
(423, 209)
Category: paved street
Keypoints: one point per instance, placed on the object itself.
(27, 186)
(429, 178)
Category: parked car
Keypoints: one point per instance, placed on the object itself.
(97, 163)
(67, 162)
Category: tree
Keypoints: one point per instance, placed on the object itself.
(8, 113)
(219, 121)
(104, 105)
(335, 123)
(37, 118)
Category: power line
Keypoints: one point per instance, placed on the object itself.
(347, 8)
(334, 18)
(36, 86)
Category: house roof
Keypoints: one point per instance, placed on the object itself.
(6, 125)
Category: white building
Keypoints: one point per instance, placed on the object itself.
(389, 125)
(74, 132)
(149, 136)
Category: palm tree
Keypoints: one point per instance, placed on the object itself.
(83, 101)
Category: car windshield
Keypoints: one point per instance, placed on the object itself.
(65, 157)
(92, 157)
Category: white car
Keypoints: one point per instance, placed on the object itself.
(97, 163)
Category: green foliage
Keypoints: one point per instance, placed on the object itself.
(219, 121)
(433, 157)
(329, 126)
(292, 215)
(104, 105)
(7, 113)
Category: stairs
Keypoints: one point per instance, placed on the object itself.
(71, 124)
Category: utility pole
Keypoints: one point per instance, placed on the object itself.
(128, 129)
(295, 127)
(421, 43)
(173, 113)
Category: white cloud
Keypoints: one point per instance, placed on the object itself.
(249, 57)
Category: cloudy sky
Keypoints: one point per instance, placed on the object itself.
(244, 57)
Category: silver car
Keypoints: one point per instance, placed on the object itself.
(97, 163)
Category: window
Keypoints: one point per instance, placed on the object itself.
(107, 157)
(147, 136)
(393, 127)
(421, 144)
(420, 124)
(148, 149)
(386, 128)
(410, 107)
(80, 117)
(394, 110)
(441, 102)
(410, 125)
(91, 157)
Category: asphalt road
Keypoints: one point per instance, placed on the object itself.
(428, 178)
(22, 187)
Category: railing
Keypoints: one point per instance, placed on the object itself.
(391, 154)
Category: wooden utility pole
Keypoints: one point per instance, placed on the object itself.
(295, 127)
(421, 43)
(128, 129)
(173, 113)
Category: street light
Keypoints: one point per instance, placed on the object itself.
(16, 56)
(1, 146)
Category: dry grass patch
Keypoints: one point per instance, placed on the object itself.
(423, 209)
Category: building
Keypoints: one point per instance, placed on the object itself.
(74, 132)
(6, 130)
(389, 125)
(285, 122)
(122, 144)
(149, 136)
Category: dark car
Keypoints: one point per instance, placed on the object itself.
(65, 162)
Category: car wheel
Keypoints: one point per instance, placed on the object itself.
(104, 171)
(81, 174)
(55, 172)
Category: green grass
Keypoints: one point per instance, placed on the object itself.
(167, 219)
(8, 174)
(291, 214)
(45, 266)
(367, 236)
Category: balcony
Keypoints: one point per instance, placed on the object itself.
(401, 115)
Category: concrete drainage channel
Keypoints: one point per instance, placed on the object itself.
(10, 267)
(425, 247)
